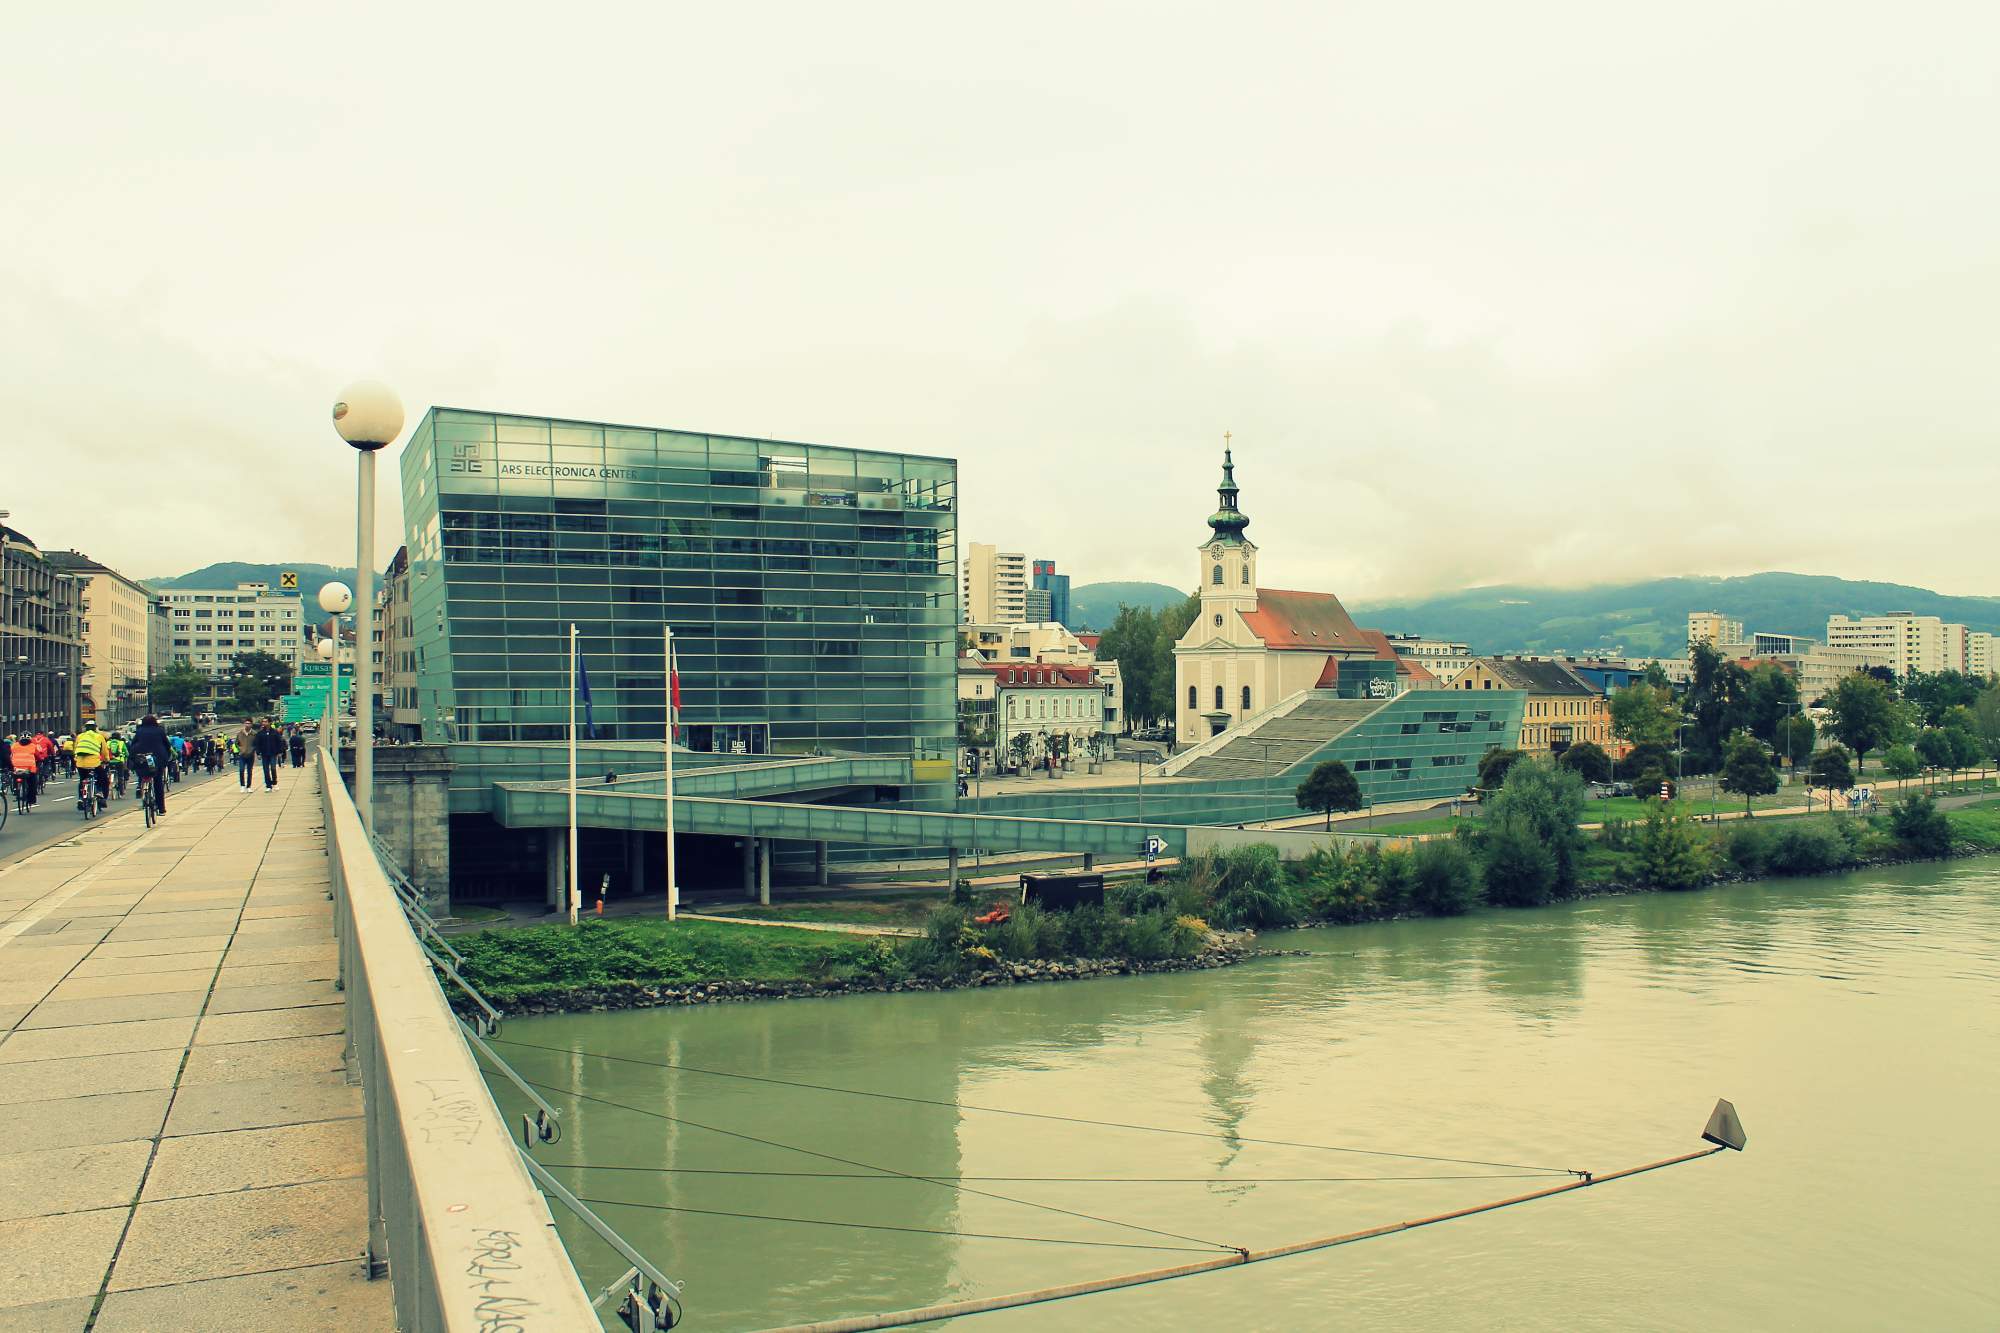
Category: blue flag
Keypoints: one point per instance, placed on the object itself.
(583, 694)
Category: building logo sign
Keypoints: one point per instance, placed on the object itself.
(569, 471)
(289, 580)
(468, 458)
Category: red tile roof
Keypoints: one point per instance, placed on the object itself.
(1043, 675)
(1089, 641)
(1305, 622)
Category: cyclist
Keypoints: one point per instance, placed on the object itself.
(45, 755)
(87, 752)
(148, 753)
(26, 762)
(118, 753)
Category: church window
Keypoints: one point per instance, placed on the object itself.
(1246, 573)
(1218, 617)
(1191, 702)
(1216, 577)
(1246, 698)
(1218, 696)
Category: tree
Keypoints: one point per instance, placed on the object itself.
(1444, 879)
(1673, 851)
(1934, 747)
(1937, 692)
(1863, 715)
(1519, 870)
(173, 690)
(1493, 766)
(1644, 715)
(1794, 738)
(1920, 826)
(1588, 761)
(1769, 694)
(274, 673)
(1747, 769)
(1644, 759)
(1329, 787)
(1142, 643)
(251, 695)
(1541, 803)
(1900, 761)
(1830, 769)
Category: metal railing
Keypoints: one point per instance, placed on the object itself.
(456, 1221)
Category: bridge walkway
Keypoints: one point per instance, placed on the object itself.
(183, 1147)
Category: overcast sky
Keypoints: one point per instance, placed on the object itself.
(1532, 292)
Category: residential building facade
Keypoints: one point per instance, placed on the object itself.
(1712, 627)
(1909, 642)
(41, 648)
(1037, 703)
(399, 718)
(1050, 641)
(993, 586)
(1562, 708)
(115, 625)
(210, 626)
(1442, 658)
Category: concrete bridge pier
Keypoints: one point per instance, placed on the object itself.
(764, 872)
(951, 870)
(819, 863)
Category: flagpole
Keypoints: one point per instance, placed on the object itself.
(572, 777)
(673, 888)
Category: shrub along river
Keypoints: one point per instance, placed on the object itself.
(1854, 1020)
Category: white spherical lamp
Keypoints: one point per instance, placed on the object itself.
(326, 649)
(335, 598)
(368, 415)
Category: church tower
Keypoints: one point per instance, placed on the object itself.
(1228, 559)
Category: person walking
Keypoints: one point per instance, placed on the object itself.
(246, 753)
(148, 752)
(270, 745)
(296, 739)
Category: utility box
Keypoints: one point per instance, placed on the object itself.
(1060, 893)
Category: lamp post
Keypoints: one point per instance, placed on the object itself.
(368, 416)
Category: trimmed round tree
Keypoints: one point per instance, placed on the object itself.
(1329, 787)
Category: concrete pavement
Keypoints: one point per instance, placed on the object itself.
(185, 1150)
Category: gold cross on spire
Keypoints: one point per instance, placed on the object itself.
(1226, 437)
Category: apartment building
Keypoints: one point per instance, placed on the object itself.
(115, 624)
(993, 586)
(209, 626)
(1713, 628)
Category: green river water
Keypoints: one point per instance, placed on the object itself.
(1855, 1022)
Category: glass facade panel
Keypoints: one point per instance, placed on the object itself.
(811, 589)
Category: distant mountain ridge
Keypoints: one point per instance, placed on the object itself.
(1650, 619)
(228, 573)
(1095, 605)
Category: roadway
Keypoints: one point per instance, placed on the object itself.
(55, 816)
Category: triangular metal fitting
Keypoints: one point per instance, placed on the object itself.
(1723, 1126)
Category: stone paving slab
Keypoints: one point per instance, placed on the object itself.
(185, 1150)
(88, 1075)
(330, 1296)
(71, 1180)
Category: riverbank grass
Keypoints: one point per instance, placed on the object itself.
(537, 962)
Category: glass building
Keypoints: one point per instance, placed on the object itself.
(811, 589)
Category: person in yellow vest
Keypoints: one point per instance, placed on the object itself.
(91, 749)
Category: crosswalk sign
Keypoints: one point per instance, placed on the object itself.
(289, 580)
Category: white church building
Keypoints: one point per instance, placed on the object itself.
(1252, 647)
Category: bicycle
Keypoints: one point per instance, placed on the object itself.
(118, 781)
(88, 798)
(148, 798)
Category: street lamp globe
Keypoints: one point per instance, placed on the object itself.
(368, 415)
(335, 598)
(326, 649)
